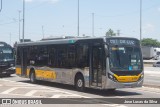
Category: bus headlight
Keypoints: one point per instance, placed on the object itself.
(112, 77)
(141, 77)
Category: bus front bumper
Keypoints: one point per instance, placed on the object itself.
(7, 71)
(115, 85)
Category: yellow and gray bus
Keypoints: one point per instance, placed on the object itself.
(100, 63)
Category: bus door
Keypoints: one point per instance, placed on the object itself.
(24, 62)
(96, 65)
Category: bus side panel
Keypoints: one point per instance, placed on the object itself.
(85, 74)
(63, 75)
(18, 71)
(49, 75)
(43, 73)
(39, 73)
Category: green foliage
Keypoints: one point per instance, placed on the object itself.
(110, 32)
(150, 42)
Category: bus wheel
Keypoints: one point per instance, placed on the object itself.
(79, 83)
(33, 77)
(112, 90)
(8, 75)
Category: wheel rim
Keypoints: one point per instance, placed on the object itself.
(79, 83)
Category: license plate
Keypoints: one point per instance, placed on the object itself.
(128, 86)
(4, 72)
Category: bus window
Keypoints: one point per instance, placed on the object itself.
(18, 57)
(71, 56)
(42, 56)
(33, 54)
(82, 55)
(62, 56)
(52, 56)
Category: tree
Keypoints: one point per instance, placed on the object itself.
(110, 33)
(150, 42)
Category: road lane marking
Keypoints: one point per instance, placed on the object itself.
(9, 90)
(51, 89)
(23, 96)
(69, 95)
(31, 93)
(147, 89)
(153, 75)
(151, 72)
(56, 96)
(155, 81)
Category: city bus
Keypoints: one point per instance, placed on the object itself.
(100, 62)
(7, 61)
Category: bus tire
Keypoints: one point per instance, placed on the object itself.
(32, 77)
(8, 75)
(112, 90)
(79, 83)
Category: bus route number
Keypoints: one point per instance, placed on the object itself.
(122, 42)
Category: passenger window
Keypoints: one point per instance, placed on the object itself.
(82, 55)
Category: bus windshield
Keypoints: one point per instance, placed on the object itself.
(125, 58)
(6, 54)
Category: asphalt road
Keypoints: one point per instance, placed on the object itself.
(17, 87)
(152, 77)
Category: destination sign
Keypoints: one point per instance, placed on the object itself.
(123, 42)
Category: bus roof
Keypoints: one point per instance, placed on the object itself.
(4, 44)
(66, 40)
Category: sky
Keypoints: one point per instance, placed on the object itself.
(52, 18)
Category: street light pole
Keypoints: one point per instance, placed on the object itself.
(10, 35)
(19, 25)
(93, 24)
(78, 20)
(140, 20)
(43, 31)
(23, 20)
(1, 6)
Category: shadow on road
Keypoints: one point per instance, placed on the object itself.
(6, 76)
(104, 93)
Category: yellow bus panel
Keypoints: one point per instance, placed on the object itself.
(18, 71)
(45, 74)
(50, 75)
(39, 73)
(127, 78)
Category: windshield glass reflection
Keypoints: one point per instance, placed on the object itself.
(125, 58)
